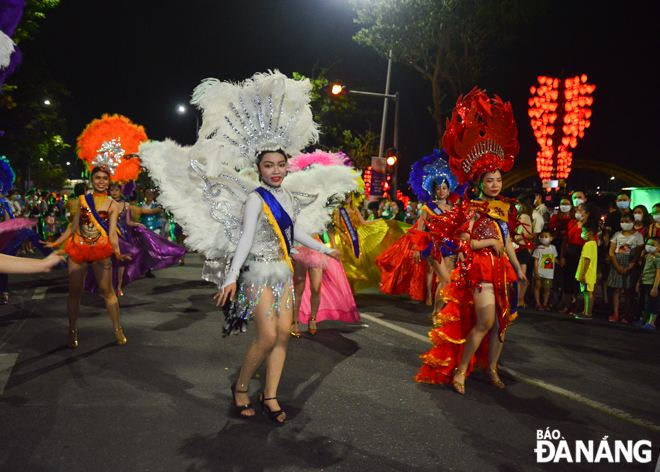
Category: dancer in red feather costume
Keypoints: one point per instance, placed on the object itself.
(482, 296)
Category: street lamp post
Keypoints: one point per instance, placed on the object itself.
(181, 110)
(337, 89)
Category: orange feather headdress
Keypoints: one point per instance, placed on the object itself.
(110, 143)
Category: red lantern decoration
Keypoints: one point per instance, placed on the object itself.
(568, 101)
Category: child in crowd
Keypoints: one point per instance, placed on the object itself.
(587, 272)
(649, 281)
(545, 259)
(625, 251)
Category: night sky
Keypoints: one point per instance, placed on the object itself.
(142, 58)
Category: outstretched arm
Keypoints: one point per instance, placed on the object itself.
(305, 239)
(20, 265)
(251, 211)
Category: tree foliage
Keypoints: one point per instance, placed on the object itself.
(33, 130)
(50, 177)
(344, 127)
(449, 42)
(33, 12)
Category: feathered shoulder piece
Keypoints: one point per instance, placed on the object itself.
(481, 136)
(110, 143)
(267, 112)
(7, 175)
(319, 182)
(429, 170)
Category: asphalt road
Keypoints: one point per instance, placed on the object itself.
(162, 402)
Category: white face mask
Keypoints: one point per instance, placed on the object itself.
(626, 226)
(623, 205)
(409, 208)
(578, 201)
(545, 241)
(638, 217)
(657, 218)
(565, 208)
(580, 216)
(651, 249)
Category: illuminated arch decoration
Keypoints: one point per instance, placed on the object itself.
(555, 102)
(520, 173)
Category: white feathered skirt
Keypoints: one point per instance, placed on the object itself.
(261, 281)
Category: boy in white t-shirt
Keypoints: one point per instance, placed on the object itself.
(545, 258)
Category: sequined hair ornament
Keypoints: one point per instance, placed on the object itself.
(7, 176)
(267, 112)
(109, 143)
(480, 137)
(429, 170)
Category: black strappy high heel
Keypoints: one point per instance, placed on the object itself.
(237, 408)
(273, 415)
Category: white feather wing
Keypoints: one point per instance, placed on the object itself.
(209, 210)
(318, 190)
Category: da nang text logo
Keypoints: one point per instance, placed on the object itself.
(552, 447)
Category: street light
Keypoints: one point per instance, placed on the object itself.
(46, 102)
(338, 89)
(181, 110)
(68, 163)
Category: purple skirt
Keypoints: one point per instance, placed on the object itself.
(148, 251)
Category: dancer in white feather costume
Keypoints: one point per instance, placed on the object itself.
(246, 228)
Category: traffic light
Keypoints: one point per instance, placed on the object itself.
(391, 157)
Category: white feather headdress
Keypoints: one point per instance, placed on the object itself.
(264, 113)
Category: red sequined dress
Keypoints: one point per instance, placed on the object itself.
(458, 316)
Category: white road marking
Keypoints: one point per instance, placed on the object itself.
(394, 327)
(536, 382)
(39, 293)
(7, 362)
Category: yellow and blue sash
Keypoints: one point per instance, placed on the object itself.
(352, 232)
(88, 201)
(280, 220)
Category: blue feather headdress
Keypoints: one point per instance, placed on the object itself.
(429, 170)
(7, 176)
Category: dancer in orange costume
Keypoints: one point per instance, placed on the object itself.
(93, 236)
(482, 297)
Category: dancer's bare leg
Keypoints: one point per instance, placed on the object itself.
(442, 270)
(277, 355)
(268, 325)
(103, 273)
(299, 283)
(484, 307)
(315, 281)
(76, 287)
(430, 273)
(120, 278)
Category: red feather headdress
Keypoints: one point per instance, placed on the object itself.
(481, 136)
(109, 143)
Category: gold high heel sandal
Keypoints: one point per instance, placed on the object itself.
(459, 387)
(295, 334)
(121, 339)
(489, 375)
(72, 343)
(312, 331)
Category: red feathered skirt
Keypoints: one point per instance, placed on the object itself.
(458, 317)
(82, 250)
